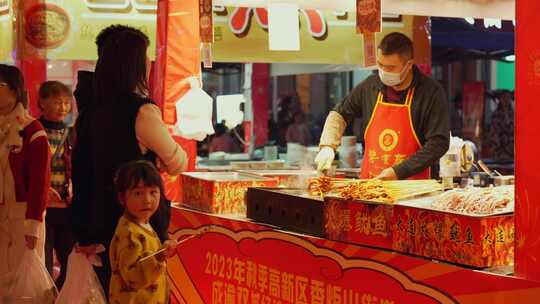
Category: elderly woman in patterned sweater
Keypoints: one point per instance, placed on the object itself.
(24, 174)
(55, 103)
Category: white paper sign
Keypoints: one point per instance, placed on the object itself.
(283, 27)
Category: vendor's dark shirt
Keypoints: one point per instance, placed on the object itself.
(429, 111)
(394, 96)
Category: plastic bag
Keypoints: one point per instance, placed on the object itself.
(82, 285)
(31, 282)
(194, 114)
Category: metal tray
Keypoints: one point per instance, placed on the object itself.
(225, 176)
(426, 203)
(280, 172)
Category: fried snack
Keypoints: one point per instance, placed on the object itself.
(320, 186)
(371, 190)
(478, 201)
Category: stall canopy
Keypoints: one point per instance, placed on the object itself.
(457, 39)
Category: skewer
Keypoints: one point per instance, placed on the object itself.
(179, 242)
(387, 191)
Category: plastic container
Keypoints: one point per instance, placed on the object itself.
(347, 156)
(270, 152)
(295, 153)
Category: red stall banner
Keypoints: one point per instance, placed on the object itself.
(527, 165)
(368, 16)
(178, 52)
(206, 28)
(206, 22)
(260, 93)
(32, 40)
(237, 261)
(177, 59)
(370, 50)
(368, 22)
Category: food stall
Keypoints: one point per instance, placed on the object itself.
(380, 244)
(342, 241)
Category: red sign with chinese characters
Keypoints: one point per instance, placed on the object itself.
(473, 241)
(370, 56)
(368, 16)
(236, 261)
(351, 221)
(206, 24)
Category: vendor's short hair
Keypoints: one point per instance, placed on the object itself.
(397, 43)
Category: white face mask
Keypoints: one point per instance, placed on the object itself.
(392, 79)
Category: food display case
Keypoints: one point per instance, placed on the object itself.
(442, 226)
(220, 192)
(472, 226)
(473, 240)
(414, 227)
(258, 165)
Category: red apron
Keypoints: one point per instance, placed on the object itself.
(390, 138)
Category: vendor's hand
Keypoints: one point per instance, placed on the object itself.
(387, 174)
(87, 250)
(324, 158)
(31, 241)
(54, 196)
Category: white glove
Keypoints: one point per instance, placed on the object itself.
(324, 158)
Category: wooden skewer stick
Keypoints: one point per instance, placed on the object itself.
(164, 248)
(180, 242)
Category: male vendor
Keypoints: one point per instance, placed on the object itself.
(404, 117)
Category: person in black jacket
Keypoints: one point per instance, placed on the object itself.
(118, 124)
(404, 117)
